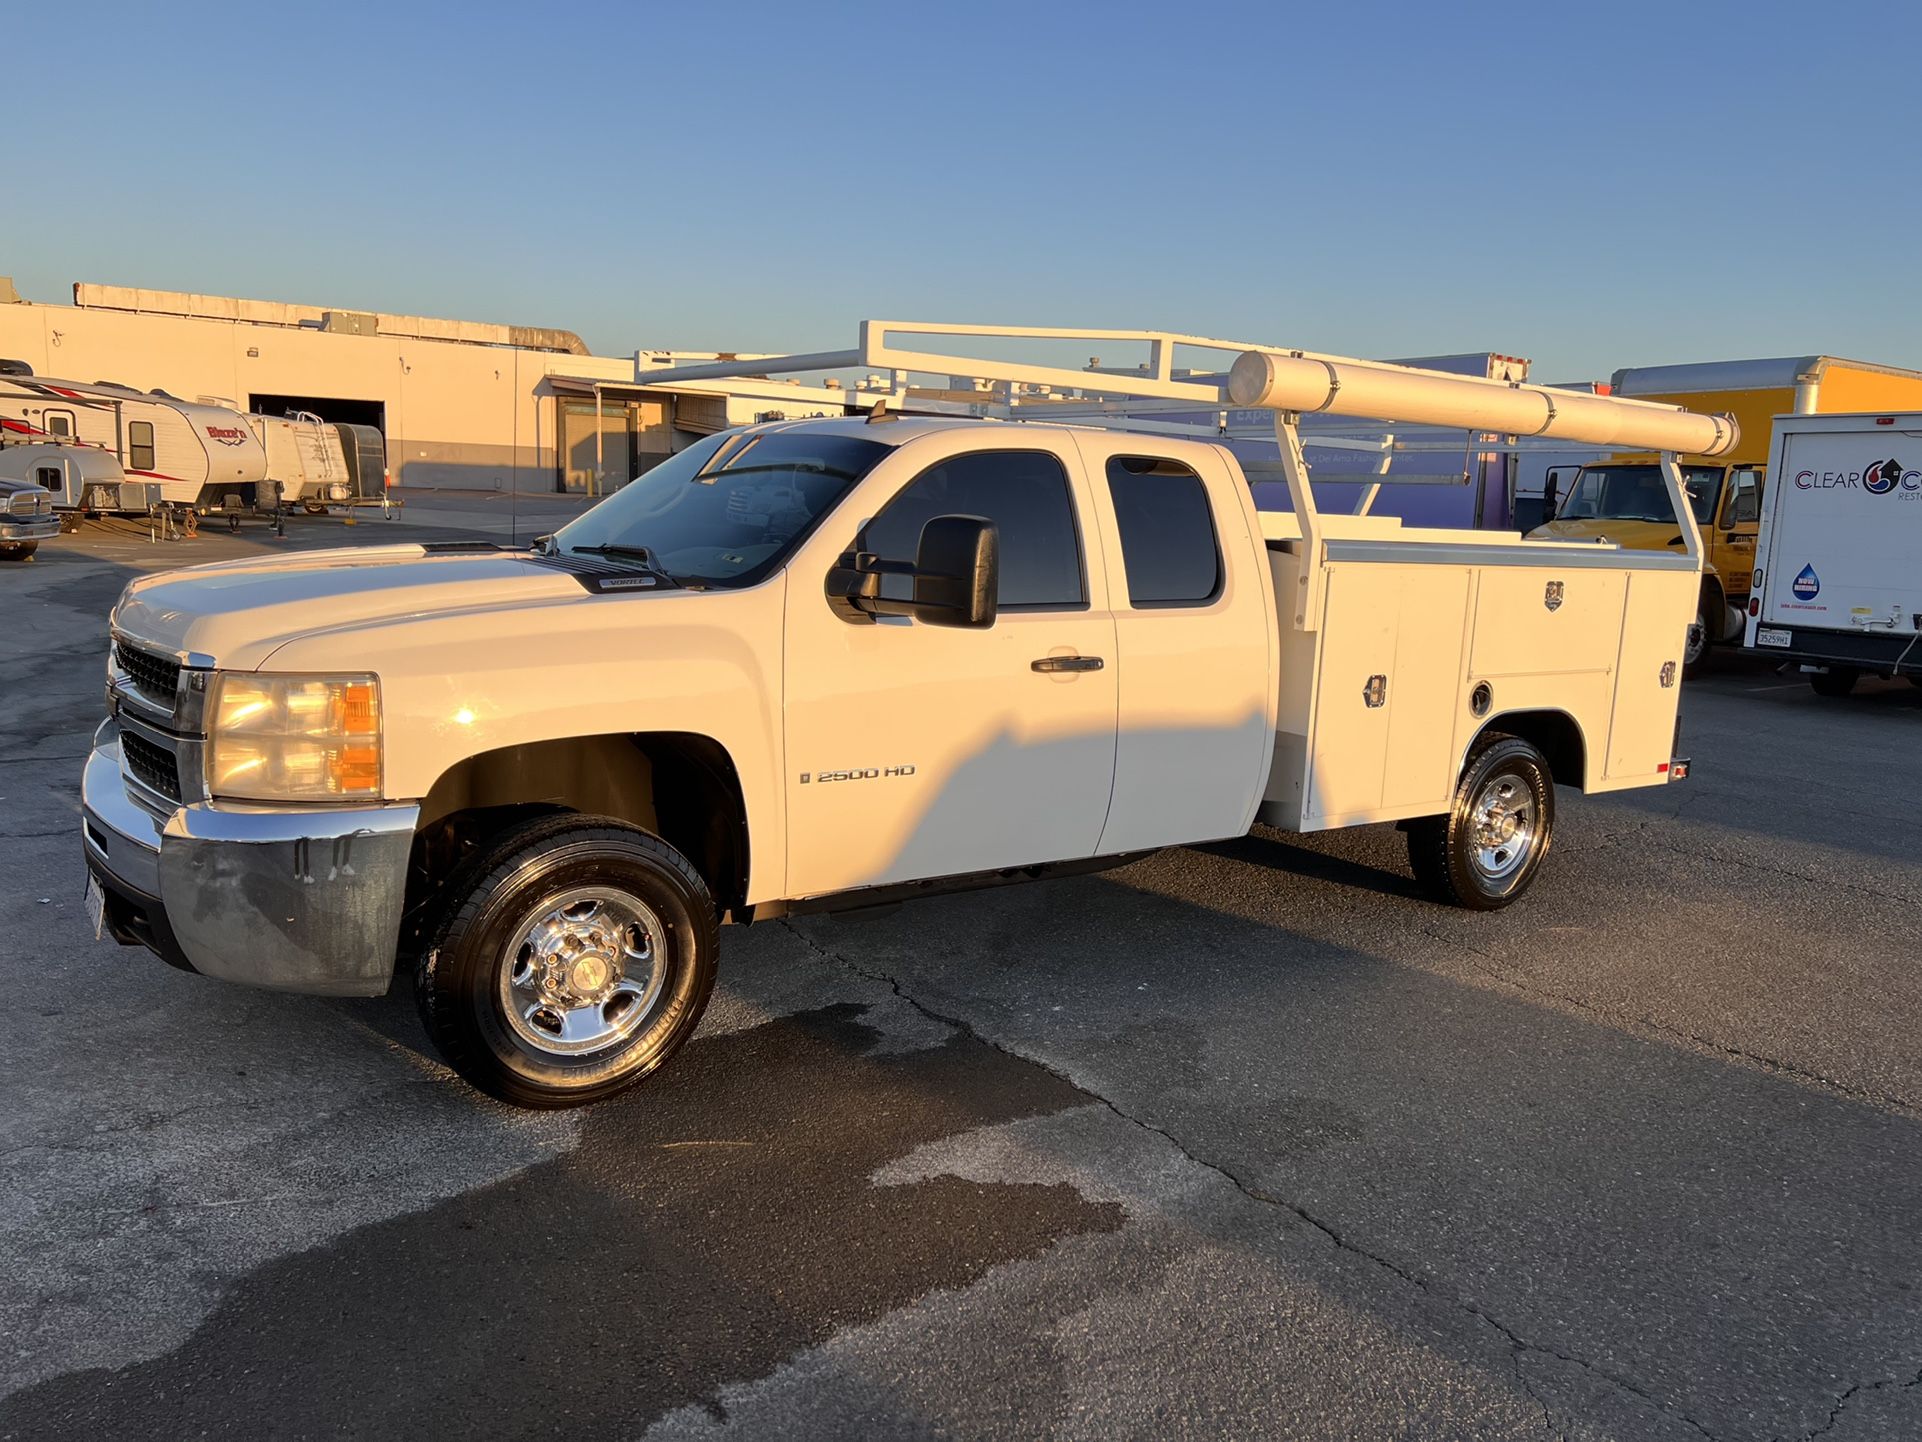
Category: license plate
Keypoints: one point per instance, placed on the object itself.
(96, 906)
(1772, 636)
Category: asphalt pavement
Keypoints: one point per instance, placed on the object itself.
(1243, 1140)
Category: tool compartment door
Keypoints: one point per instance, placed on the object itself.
(1538, 620)
(1348, 742)
(1648, 685)
(1390, 672)
(1425, 689)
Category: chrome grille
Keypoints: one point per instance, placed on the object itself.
(30, 503)
(152, 765)
(155, 677)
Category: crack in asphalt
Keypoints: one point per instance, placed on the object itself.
(1842, 1402)
(1518, 1345)
(1900, 1105)
(1784, 871)
(145, 1122)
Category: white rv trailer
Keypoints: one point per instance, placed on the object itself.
(115, 449)
(318, 463)
(81, 478)
(194, 454)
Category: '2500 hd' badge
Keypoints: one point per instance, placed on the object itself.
(859, 773)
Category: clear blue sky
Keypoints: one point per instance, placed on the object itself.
(1593, 186)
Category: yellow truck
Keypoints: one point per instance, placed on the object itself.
(1621, 498)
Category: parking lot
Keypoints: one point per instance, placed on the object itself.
(1238, 1140)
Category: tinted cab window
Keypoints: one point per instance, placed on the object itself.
(1025, 493)
(1167, 532)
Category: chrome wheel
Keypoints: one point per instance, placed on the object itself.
(1503, 826)
(584, 972)
(1696, 645)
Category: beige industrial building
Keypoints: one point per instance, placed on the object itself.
(461, 403)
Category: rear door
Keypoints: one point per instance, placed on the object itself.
(1194, 641)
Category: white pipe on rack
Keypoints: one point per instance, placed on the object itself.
(1403, 394)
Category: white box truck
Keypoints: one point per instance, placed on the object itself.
(1838, 572)
(832, 663)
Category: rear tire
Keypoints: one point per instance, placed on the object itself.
(1700, 639)
(18, 550)
(574, 957)
(1484, 853)
(1836, 681)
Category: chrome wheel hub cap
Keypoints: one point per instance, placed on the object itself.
(1504, 827)
(584, 972)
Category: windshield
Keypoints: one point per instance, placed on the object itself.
(727, 510)
(1636, 493)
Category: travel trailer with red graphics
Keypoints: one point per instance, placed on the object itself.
(110, 448)
(192, 454)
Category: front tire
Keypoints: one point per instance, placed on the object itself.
(1485, 851)
(574, 957)
(17, 550)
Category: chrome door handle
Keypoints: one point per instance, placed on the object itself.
(1067, 663)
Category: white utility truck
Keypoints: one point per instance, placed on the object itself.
(833, 663)
(1838, 570)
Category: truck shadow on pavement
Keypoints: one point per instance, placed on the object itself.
(631, 1276)
(1277, 851)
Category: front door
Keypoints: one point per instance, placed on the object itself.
(1731, 538)
(918, 751)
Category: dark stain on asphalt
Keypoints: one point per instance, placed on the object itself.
(710, 1224)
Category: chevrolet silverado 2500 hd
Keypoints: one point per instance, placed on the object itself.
(827, 663)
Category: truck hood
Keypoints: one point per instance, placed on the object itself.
(238, 613)
(1630, 535)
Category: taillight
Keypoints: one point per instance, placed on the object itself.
(1755, 605)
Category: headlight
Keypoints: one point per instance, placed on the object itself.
(294, 738)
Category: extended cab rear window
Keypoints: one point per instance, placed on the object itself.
(1167, 532)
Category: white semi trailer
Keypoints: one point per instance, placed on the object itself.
(832, 663)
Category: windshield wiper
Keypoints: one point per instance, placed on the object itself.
(631, 553)
(832, 472)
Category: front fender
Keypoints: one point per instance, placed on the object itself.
(454, 686)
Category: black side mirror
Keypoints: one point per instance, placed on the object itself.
(955, 576)
(957, 571)
(1552, 489)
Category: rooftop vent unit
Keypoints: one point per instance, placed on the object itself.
(350, 322)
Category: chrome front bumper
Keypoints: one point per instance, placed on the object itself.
(28, 528)
(305, 900)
